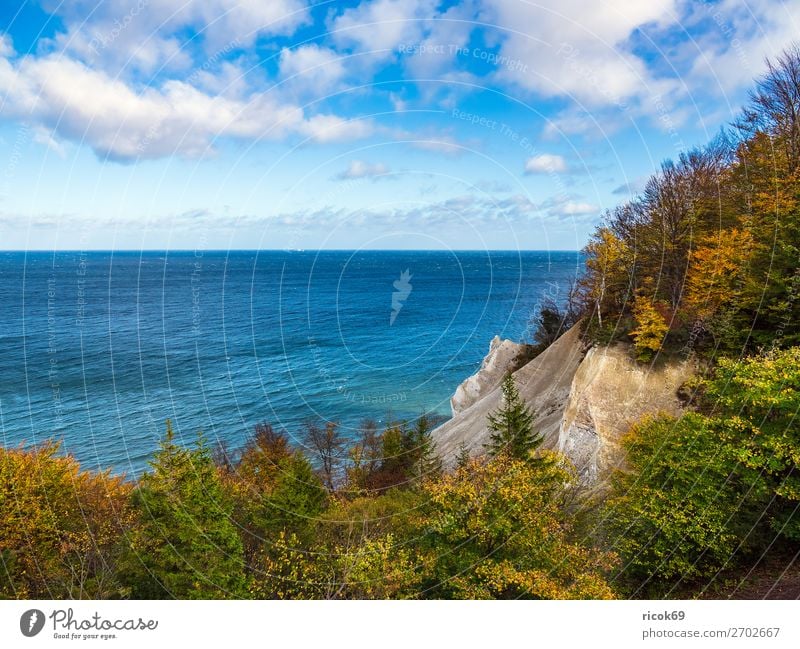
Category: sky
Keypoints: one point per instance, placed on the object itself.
(385, 124)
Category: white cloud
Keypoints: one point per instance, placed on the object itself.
(150, 35)
(46, 138)
(332, 128)
(575, 49)
(118, 121)
(735, 39)
(545, 163)
(360, 169)
(380, 27)
(6, 45)
(311, 69)
(573, 208)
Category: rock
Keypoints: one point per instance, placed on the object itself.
(609, 393)
(543, 382)
(584, 403)
(504, 356)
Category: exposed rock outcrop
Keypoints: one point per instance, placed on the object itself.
(584, 400)
(544, 383)
(610, 392)
(504, 356)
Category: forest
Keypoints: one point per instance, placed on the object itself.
(705, 262)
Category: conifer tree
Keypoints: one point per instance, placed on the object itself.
(511, 424)
(184, 544)
(427, 463)
(462, 457)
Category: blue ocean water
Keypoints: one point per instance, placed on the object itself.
(98, 349)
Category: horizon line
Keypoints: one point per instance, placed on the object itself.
(145, 250)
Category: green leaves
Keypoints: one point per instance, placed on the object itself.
(184, 544)
(512, 425)
(683, 507)
(702, 490)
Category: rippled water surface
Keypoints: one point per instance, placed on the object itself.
(99, 349)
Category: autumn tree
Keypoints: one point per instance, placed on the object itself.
(609, 266)
(683, 506)
(327, 444)
(500, 529)
(759, 397)
(651, 328)
(60, 527)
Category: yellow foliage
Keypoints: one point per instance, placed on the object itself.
(716, 272)
(59, 525)
(651, 328)
(608, 263)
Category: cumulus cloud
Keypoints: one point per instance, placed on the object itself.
(360, 169)
(311, 69)
(381, 27)
(573, 208)
(122, 123)
(6, 46)
(152, 35)
(545, 163)
(734, 40)
(576, 49)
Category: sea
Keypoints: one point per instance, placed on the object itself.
(99, 349)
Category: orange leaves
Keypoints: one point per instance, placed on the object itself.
(717, 271)
(58, 523)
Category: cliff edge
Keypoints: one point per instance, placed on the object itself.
(584, 400)
(543, 382)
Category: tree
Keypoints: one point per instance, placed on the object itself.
(501, 529)
(328, 445)
(684, 506)
(609, 266)
(512, 425)
(553, 318)
(60, 527)
(651, 328)
(716, 281)
(774, 107)
(365, 457)
(184, 544)
(296, 500)
(425, 462)
(462, 456)
(758, 398)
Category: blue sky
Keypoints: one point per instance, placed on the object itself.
(130, 124)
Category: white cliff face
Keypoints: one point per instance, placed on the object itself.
(504, 356)
(543, 382)
(609, 393)
(583, 403)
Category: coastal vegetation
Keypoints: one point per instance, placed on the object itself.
(704, 262)
(262, 523)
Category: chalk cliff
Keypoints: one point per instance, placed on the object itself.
(585, 400)
(504, 356)
(544, 382)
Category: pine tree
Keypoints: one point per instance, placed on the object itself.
(512, 425)
(184, 544)
(462, 457)
(427, 463)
